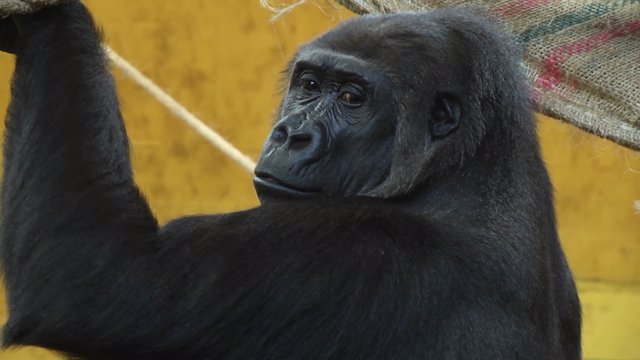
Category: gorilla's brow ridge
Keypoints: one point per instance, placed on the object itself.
(345, 66)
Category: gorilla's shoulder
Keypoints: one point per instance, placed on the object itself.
(355, 208)
(345, 218)
(317, 219)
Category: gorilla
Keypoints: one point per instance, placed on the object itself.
(405, 209)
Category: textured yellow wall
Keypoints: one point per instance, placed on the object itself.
(222, 59)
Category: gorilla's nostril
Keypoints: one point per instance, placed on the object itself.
(279, 135)
(300, 141)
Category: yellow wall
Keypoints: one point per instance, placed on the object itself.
(222, 60)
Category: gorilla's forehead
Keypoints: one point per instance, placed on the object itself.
(396, 42)
(334, 62)
(370, 32)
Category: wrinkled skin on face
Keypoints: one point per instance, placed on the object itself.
(343, 128)
(337, 124)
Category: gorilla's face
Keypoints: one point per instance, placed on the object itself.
(336, 129)
(358, 117)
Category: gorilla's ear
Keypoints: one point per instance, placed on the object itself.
(445, 115)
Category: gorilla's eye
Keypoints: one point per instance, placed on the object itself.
(309, 82)
(350, 98)
(310, 85)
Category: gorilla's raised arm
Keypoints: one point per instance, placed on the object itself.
(79, 244)
(87, 269)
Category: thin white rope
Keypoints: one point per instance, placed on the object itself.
(280, 11)
(180, 111)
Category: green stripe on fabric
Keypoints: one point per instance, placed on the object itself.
(561, 22)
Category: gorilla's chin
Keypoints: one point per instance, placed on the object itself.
(269, 186)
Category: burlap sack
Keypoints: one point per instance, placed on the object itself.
(581, 57)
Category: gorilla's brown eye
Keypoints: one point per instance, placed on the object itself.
(309, 84)
(350, 98)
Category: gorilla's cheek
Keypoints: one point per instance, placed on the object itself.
(354, 168)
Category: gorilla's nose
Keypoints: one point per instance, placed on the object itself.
(307, 141)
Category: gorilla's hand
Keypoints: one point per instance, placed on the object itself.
(8, 35)
(20, 11)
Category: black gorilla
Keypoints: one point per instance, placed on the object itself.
(406, 213)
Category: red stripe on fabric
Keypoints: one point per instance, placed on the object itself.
(519, 6)
(552, 64)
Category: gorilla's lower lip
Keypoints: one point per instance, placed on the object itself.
(269, 185)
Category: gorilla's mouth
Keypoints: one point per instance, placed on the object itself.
(267, 184)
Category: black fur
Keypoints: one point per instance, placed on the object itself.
(409, 219)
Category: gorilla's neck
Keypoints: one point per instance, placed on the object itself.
(505, 191)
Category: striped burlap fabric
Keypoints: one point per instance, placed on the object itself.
(581, 57)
